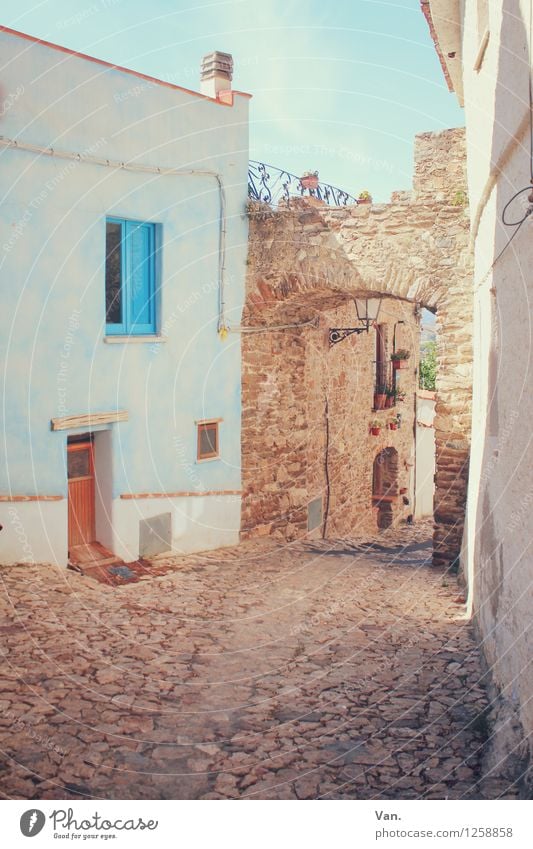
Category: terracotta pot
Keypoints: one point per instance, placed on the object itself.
(364, 200)
(379, 401)
(309, 182)
(393, 425)
(389, 401)
(375, 431)
(400, 364)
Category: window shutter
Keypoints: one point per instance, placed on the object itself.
(140, 275)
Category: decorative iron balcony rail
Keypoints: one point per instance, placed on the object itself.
(272, 185)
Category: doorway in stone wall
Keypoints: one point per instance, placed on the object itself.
(385, 486)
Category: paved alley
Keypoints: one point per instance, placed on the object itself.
(314, 670)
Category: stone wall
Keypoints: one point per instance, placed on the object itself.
(306, 262)
(306, 427)
(440, 166)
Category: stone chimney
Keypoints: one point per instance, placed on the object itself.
(217, 73)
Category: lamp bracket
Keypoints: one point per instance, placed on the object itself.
(337, 334)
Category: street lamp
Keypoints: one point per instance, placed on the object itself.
(367, 314)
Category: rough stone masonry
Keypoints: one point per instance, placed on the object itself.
(306, 262)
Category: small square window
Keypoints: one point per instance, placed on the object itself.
(207, 440)
(130, 278)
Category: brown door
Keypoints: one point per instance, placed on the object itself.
(80, 470)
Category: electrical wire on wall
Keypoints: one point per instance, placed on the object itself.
(271, 328)
(138, 168)
(326, 466)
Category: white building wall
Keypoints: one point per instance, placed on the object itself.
(199, 523)
(34, 532)
(425, 454)
(498, 545)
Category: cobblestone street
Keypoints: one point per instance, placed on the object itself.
(307, 671)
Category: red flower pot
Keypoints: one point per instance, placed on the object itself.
(379, 401)
(375, 431)
(393, 425)
(309, 182)
(396, 364)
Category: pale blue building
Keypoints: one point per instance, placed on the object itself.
(123, 256)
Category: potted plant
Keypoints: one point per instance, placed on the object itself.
(364, 197)
(380, 397)
(393, 424)
(400, 396)
(391, 397)
(375, 427)
(399, 358)
(309, 180)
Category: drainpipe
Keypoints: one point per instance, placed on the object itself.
(415, 408)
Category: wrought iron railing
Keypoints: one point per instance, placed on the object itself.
(271, 185)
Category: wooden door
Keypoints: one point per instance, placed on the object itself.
(80, 471)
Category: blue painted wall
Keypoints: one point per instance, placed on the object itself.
(52, 251)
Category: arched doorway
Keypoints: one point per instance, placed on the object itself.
(385, 485)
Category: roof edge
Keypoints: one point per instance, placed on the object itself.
(444, 21)
(227, 101)
(426, 11)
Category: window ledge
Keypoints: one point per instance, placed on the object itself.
(208, 459)
(128, 340)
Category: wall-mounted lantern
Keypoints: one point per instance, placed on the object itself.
(367, 314)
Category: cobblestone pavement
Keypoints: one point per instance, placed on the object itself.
(297, 672)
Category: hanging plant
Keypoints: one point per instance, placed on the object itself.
(399, 358)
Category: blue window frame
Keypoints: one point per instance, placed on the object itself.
(130, 278)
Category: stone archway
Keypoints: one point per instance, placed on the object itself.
(306, 259)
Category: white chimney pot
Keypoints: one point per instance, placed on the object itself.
(216, 73)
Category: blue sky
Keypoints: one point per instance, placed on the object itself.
(340, 88)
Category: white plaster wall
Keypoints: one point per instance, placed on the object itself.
(498, 543)
(425, 457)
(34, 532)
(198, 523)
(103, 465)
